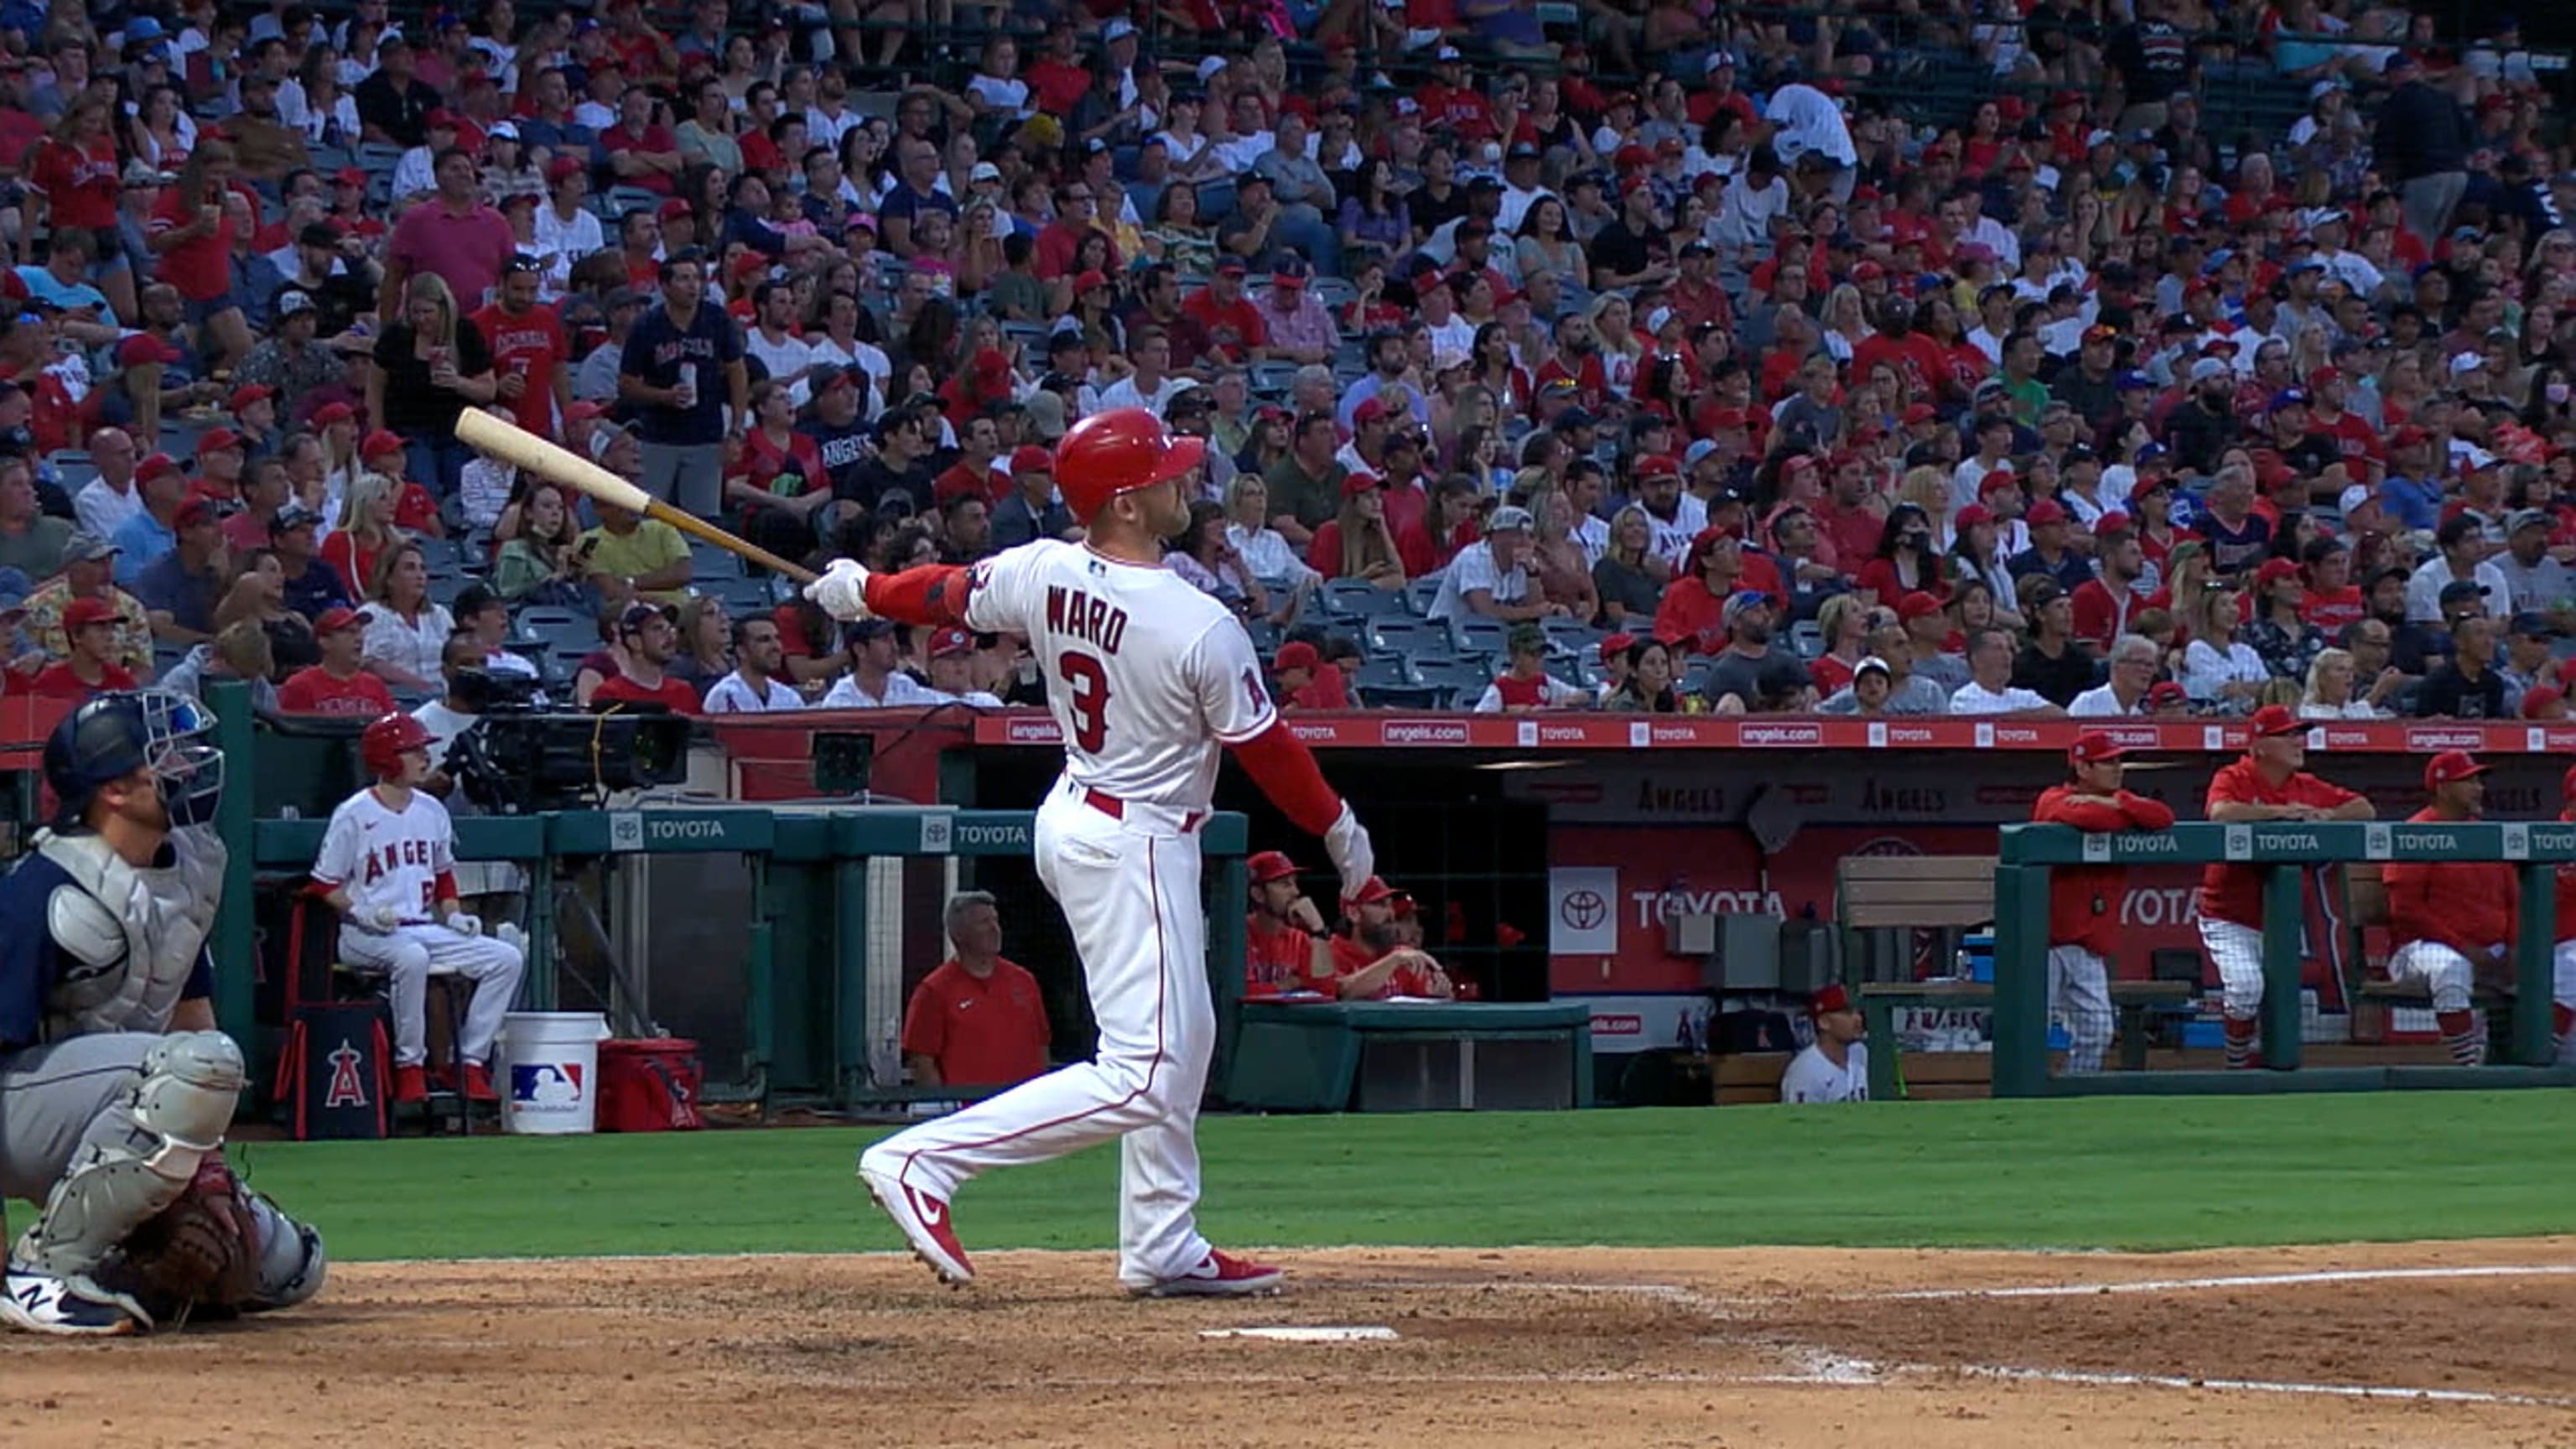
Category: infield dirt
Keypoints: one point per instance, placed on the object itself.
(1539, 1347)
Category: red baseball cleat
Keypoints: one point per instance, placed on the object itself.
(478, 1084)
(411, 1084)
(1220, 1275)
(925, 1221)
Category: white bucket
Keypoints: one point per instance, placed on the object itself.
(551, 1064)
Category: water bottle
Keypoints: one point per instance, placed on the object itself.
(688, 384)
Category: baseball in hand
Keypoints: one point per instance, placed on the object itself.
(465, 925)
(379, 919)
(842, 590)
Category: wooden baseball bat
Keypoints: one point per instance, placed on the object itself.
(520, 448)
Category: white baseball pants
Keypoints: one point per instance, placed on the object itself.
(2079, 994)
(2237, 951)
(2435, 969)
(1129, 888)
(411, 954)
(2562, 994)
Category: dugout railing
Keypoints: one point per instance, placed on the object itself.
(2284, 853)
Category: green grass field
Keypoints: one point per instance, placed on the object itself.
(2149, 1173)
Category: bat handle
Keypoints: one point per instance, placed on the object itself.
(696, 527)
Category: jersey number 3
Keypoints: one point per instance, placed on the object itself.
(1088, 682)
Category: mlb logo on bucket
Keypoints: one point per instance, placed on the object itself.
(542, 1086)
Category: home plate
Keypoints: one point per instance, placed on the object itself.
(1320, 1333)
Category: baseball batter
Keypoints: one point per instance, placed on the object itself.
(388, 866)
(2083, 920)
(2446, 919)
(115, 1087)
(2271, 782)
(1147, 676)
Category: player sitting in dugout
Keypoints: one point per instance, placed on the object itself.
(1370, 955)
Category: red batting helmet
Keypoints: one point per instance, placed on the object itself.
(388, 739)
(1116, 452)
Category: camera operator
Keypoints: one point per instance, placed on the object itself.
(494, 890)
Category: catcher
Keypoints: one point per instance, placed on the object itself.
(115, 1088)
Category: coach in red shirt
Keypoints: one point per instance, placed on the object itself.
(2083, 922)
(976, 1020)
(2269, 783)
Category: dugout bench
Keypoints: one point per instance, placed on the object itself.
(1883, 901)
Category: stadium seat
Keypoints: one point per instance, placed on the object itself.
(1808, 637)
(1463, 680)
(1693, 676)
(1478, 636)
(1359, 599)
(1377, 674)
(708, 562)
(1403, 696)
(1265, 636)
(1395, 634)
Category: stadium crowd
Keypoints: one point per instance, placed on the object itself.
(1633, 356)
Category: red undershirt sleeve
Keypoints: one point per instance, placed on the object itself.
(446, 886)
(1286, 771)
(933, 594)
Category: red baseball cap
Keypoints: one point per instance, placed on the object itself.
(2094, 747)
(249, 393)
(2164, 692)
(2450, 767)
(672, 210)
(2540, 697)
(1030, 458)
(193, 512)
(1917, 605)
(1297, 654)
(154, 465)
(333, 412)
(2044, 512)
(1659, 465)
(1831, 998)
(1972, 515)
(2273, 571)
(81, 613)
(217, 440)
(334, 620)
(564, 168)
(1613, 645)
(1920, 413)
(379, 443)
(1371, 893)
(2275, 719)
(951, 641)
(1268, 866)
(2113, 522)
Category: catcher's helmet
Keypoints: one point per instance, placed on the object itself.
(110, 736)
(1116, 452)
(388, 740)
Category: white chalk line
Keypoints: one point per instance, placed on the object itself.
(2265, 1386)
(2243, 1280)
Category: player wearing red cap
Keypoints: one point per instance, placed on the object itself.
(2270, 783)
(1286, 945)
(388, 866)
(1146, 677)
(2083, 922)
(1836, 1068)
(2447, 918)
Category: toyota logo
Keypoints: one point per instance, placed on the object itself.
(1583, 910)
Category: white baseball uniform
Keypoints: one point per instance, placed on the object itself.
(1148, 678)
(404, 861)
(1813, 1077)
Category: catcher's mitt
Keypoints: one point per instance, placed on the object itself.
(201, 1253)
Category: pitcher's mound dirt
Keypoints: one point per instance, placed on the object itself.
(1540, 1347)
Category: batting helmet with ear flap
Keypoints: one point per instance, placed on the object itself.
(388, 740)
(1119, 451)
